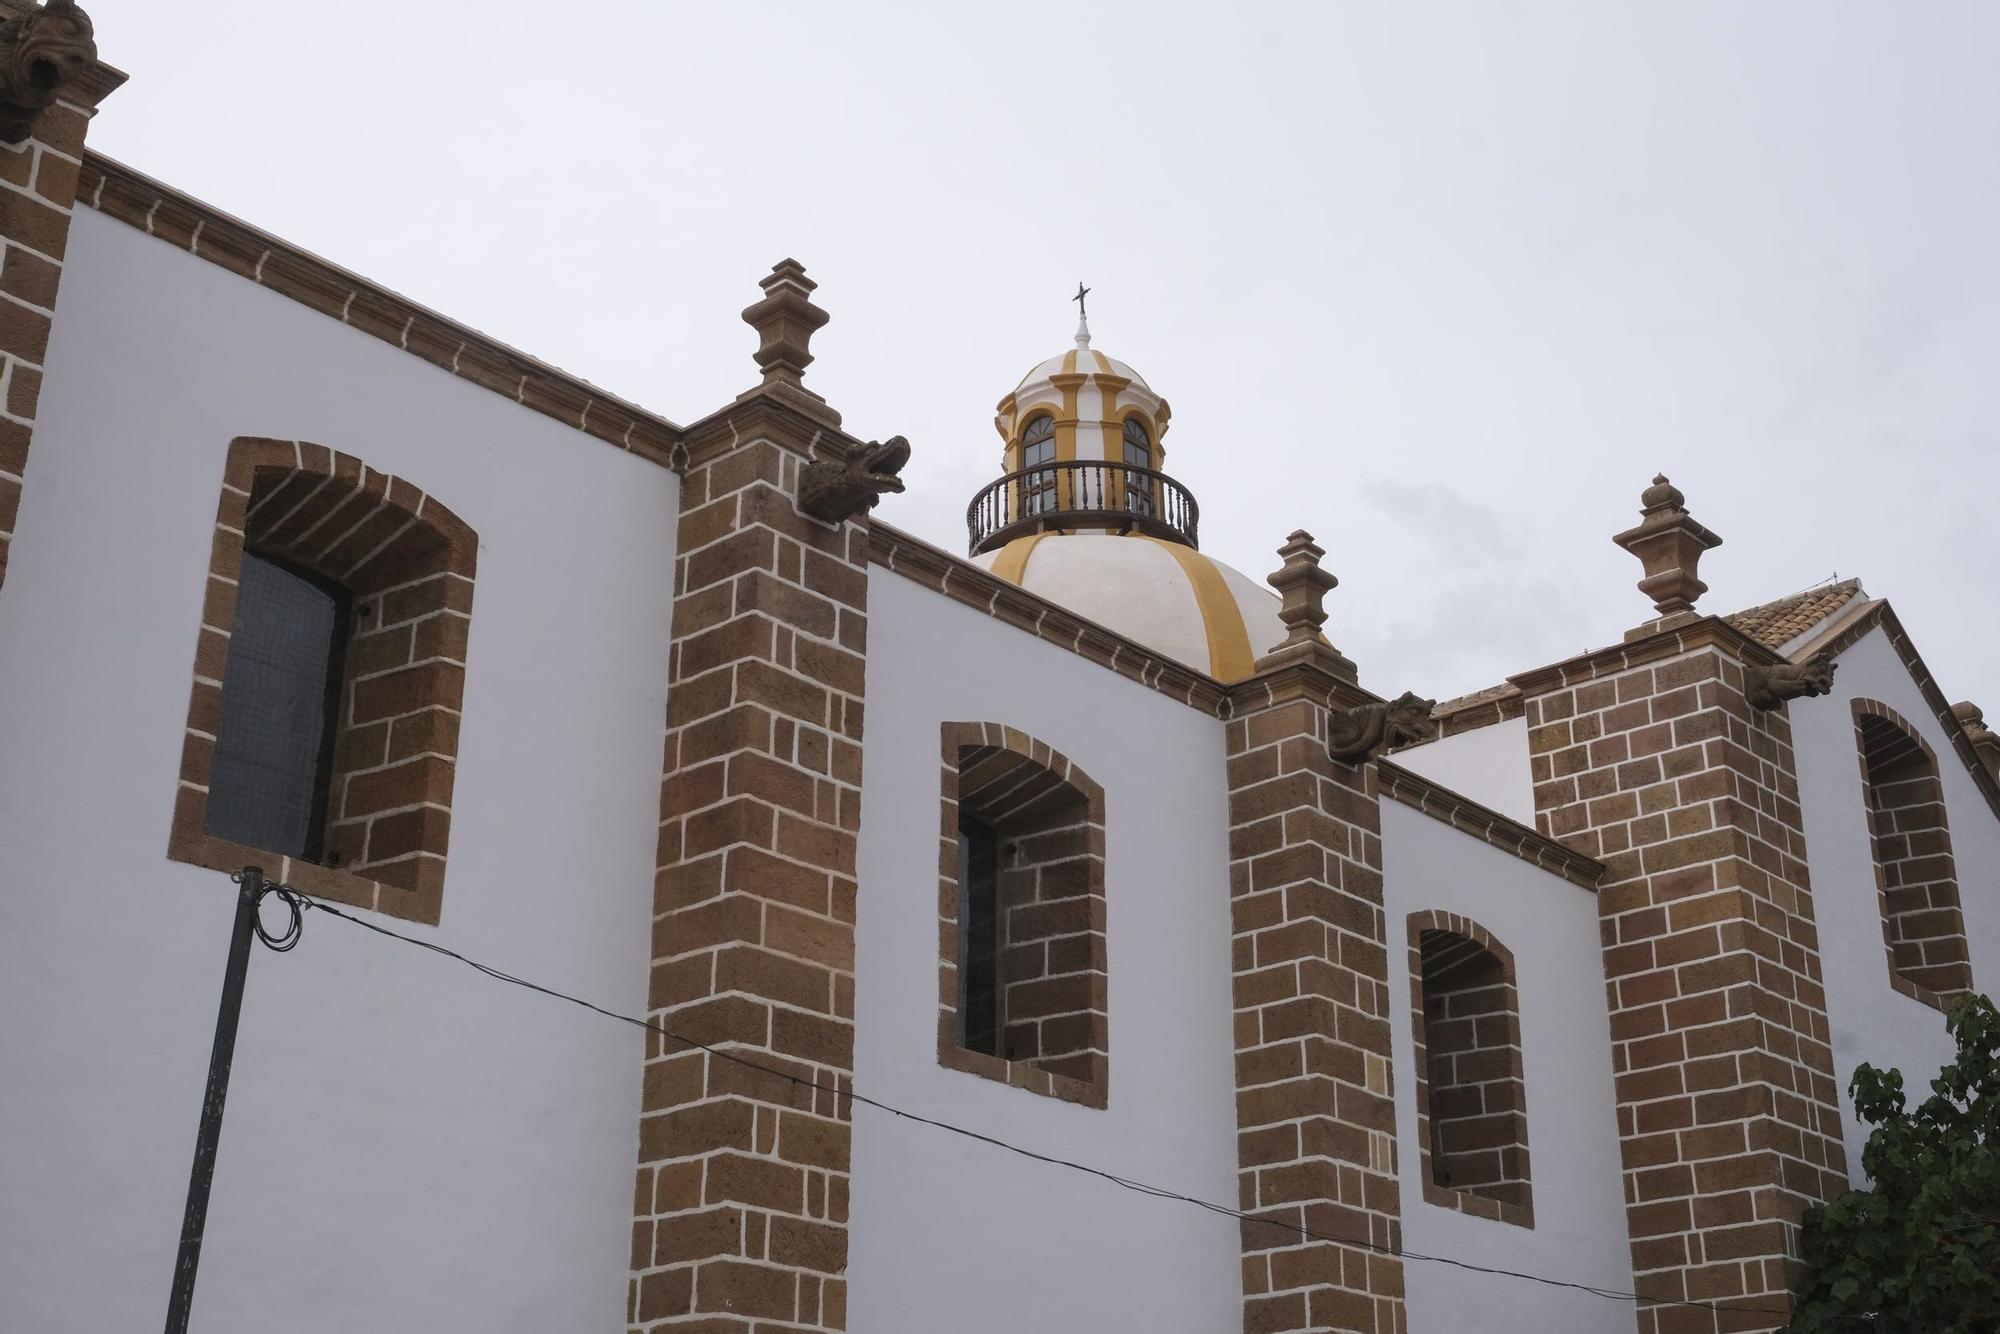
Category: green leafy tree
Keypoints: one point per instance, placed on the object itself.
(1918, 1252)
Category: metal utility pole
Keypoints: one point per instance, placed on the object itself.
(250, 892)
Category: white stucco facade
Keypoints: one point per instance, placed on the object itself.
(407, 1145)
(410, 1145)
(1871, 1021)
(1488, 764)
(934, 1213)
(1579, 1212)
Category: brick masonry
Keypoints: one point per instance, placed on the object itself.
(1923, 926)
(740, 1212)
(1315, 1104)
(1054, 985)
(1651, 759)
(409, 563)
(1472, 1099)
(38, 188)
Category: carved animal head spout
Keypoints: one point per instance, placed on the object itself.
(1769, 687)
(836, 492)
(1365, 731)
(40, 52)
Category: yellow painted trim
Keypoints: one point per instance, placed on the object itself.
(1229, 655)
(1012, 562)
(1069, 385)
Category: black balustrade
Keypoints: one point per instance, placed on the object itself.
(1064, 497)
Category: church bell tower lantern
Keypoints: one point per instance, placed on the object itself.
(1082, 453)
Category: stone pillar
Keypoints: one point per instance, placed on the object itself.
(50, 85)
(741, 1203)
(1652, 759)
(1315, 1111)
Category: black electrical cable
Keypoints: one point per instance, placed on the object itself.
(296, 900)
(295, 903)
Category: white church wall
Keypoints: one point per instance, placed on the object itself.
(1871, 1021)
(408, 1145)
(945, 1231)
(1488, 764)
(1579, 1230)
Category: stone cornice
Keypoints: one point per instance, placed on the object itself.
(761, 414)
(962, 581)
(1468, 816)
(1484, 709)
(159, 210)
(1318, 677)
(1707, 632)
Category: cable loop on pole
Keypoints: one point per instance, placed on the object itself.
(295, 904)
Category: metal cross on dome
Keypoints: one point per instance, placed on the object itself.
(1081, 293)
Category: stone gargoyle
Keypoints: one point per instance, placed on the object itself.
(1359, 733)
(40, 52)
(1769, 687)
(836, 492)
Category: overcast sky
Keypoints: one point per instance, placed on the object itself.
(1445, 285)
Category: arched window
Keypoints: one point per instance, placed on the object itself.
(1021, 920)
(1472, 1105)
(1922, 924)
(1138, 453)
(322, 733)
(1038, 447)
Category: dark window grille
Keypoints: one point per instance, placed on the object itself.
(280, 700)
(978, 937)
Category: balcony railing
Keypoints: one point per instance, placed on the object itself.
(1119, 497)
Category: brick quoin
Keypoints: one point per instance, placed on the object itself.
(38, 184)
(1650, 758)
(1315, 1104)
(740, 1212)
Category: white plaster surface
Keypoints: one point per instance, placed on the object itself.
(1488, 764)
(408, 1146)
(1579, 1233)
(949, 1233)
(1871, 1021)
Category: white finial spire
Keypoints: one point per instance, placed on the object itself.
(1082, 319)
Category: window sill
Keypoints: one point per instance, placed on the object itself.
(1025, 1074)
(1937, 1000)
(1480, 1206)
(192, 844)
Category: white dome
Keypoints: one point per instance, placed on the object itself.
(1167, 596)
(1081, 361)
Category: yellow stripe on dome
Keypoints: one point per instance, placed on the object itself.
(1229, 655)
(1012, 562)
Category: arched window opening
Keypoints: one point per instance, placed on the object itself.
(1038, 447)
(322, 732)
(1021, 907)
(1139, 496)
(1923, 927)
(1472, 1111)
